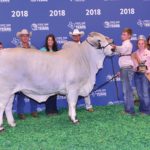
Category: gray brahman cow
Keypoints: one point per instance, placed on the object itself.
(71, 72)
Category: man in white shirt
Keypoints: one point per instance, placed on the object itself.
(126, 69)
(76, 37)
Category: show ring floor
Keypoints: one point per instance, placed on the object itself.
(107, 128)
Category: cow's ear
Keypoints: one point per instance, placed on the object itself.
(109, 39)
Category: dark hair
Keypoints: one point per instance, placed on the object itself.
(54, 45)
(148, 44)
(128, 30)
(1, 43)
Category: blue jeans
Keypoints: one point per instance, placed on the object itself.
(21, 103)
(142, 85)
(51, 105)
(127, 77)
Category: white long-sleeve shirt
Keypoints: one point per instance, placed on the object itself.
(125, 50)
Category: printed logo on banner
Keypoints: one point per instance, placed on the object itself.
(15, 41)
(27, 100)
(99, 93)
(77, 25)
(40, 26)
(39, 109)
(111, 24)
(109, 76)
(77, 0)
(4, 1)
(61, 97)
(115, 102)
(134, 37)
(5, 27)
(61, 39)
(143, 23)
(34, 1)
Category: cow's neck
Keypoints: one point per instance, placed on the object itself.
(94, 58)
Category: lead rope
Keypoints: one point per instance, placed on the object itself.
(116, 85)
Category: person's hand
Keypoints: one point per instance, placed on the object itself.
(118, 74)
(113, 48)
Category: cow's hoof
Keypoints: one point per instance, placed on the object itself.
(76, 122)
(2, 129)
(12, 124)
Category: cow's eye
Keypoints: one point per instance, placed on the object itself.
(99, 45)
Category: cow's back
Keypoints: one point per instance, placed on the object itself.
(43, 71)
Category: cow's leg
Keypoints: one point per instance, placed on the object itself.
(72, 101)
(2, 108)
(3, 102)
(88, 104)
(8, 112)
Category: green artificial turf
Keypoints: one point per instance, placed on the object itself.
(107, 128)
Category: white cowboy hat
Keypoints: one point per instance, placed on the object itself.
(141, 37)
(76, 32)
(24, 31)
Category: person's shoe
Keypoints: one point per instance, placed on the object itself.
(144, 114)
(52, 114)
(34, 114)
(21, 116)
(129, 113)
(90, 110)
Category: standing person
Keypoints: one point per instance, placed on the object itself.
(148, 47)
(76, 36)
(148, 42)
(1, 45)
(126, 69)
(24, 35)
(51, 103)
(141, 59)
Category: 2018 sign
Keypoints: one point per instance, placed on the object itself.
(127, 11)
(93, 12)
(19, 13)
(56, 13)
